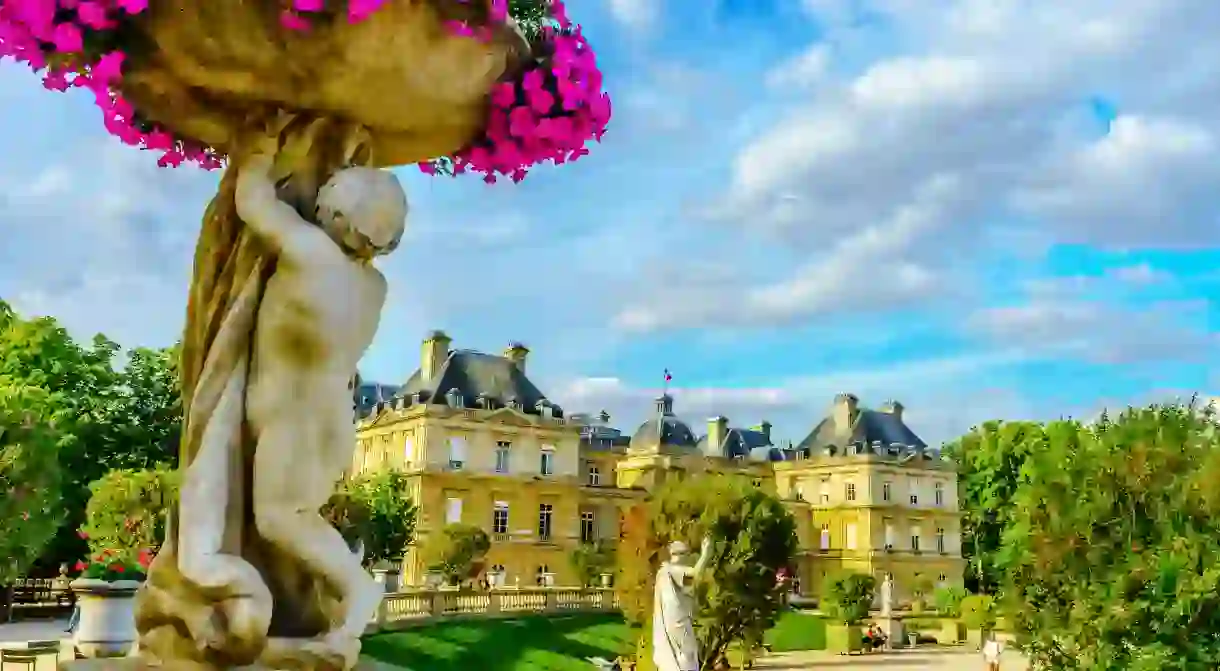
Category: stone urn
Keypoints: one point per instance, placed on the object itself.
(107, 626)
(607, 580)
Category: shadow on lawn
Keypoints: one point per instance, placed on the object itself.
(533, 643)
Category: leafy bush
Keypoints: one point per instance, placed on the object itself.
(637, 560)
(457, 552)
(111, 565)
(375, 510)
(949, 601)
(30, 507)
(979, 612)
(128, 510)
(1111, 550)
(590, 560)
(847, 597)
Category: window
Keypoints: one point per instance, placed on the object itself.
(408, 451)
(825, 537)
(543, 576)
(546, 465)
(939, 494)
(453, 511)
(502, 456)
(457, 453)
(850, 533)
(886, 491)
(942, 579)
(825, 491)
(915, 538)
(545, 512)
(889, 536)
(499, 518)
(588, 527)
(914, 487)
(595, 475)
(850, 491)
(940, 540)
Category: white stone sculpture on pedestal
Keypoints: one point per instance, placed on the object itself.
(674, 646)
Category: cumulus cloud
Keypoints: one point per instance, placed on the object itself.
(991, 97)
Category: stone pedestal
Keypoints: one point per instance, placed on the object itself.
(895, 634)
(389, 578)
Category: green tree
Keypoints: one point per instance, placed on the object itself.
(30, 509)
(636, 560)
(754, 537)
(128, 510)
(125, 418)
(388, 519)
(846, 597)
(989, 461)
(1111, 551)
(457, 552)
(590, 560)
(1113, 543)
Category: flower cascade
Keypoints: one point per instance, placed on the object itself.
(548, 113)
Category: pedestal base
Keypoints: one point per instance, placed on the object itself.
(895, 635)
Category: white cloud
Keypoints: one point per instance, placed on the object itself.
(636, 14)
(991, 95)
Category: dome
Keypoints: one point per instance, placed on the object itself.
(664, 432)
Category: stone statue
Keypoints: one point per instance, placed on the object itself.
(674, 647)
(887, 594)
(251, 571)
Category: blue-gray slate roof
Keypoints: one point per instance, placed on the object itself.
(867, 427)
(484, 381)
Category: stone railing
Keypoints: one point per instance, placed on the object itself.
(414, 606)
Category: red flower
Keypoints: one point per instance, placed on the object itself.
(80, 565)
(82, 534)
(118, 567)
(145, 558)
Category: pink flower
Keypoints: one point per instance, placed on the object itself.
(67, 39)
(293, 21)
(132, 6)
(308, 6)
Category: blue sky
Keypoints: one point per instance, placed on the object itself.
(1000, 208)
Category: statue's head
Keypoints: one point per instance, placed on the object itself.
(678, 552)
(364, 210)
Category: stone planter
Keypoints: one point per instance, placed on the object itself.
(388, 578)
(844, 638)
(107, 626)
(607, 580)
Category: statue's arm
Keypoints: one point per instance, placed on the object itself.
(275, 221)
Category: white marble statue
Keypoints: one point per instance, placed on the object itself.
(674, 647)
(318, 315)
(887, 594)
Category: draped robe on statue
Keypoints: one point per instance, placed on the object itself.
(674, 646)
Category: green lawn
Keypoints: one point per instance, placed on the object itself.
(544, 643)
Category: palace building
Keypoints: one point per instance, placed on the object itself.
(483, 445)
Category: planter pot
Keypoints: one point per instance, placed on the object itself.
(952, 632)
(844, 639)
(912, 638)
(607, 580)
(975, 637)
(107, 626)
(388, 578)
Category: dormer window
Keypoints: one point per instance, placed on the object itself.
(544, 408)
(455, 399)
(482, 401)
(512, 402)
(416, 399)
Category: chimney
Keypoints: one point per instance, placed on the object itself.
(765, 430)
(432, 355)
(845, 410)
(893, 408)
(717, 430)
(516, 353)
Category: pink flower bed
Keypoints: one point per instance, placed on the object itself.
(548, 113)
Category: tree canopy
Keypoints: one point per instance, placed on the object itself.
(125, 417)
(30, 509)
(989, 461)
(1111, 545)
(457, 551)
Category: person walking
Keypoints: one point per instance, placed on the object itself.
(992, 650)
